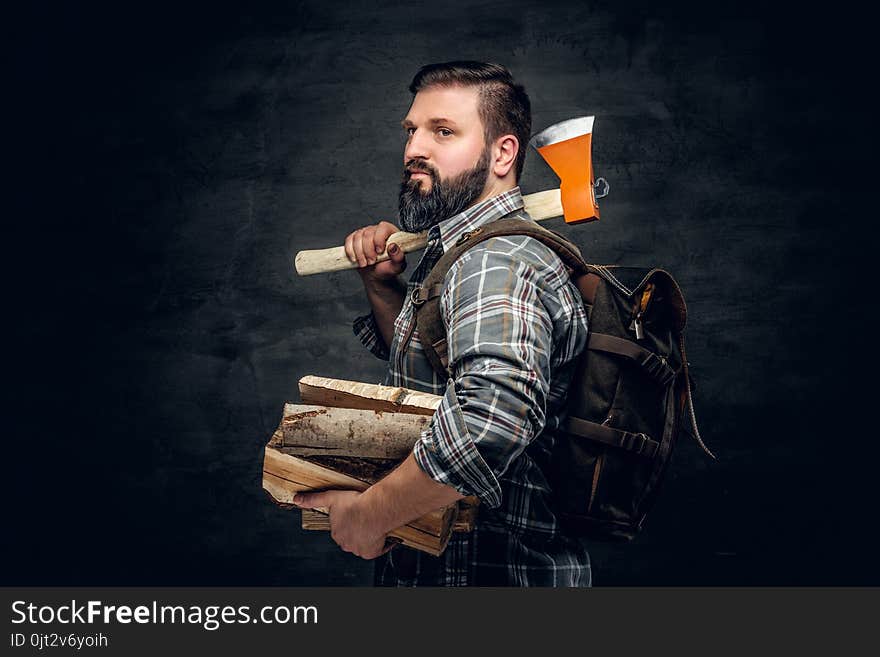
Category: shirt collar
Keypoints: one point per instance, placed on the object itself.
(474, 217)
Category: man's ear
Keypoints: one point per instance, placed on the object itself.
(504, 153)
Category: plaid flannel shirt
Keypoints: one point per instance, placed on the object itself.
(515, 326)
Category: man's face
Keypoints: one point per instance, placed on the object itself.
(446, 161)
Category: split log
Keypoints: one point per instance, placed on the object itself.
(289, 475)
(367, 396)
(316, 520)
(464, 519)
(321, 431)
(285, 475)
(467, 514)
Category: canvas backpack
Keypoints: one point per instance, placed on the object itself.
(627, 397)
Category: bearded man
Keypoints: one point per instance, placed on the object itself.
(515, 326)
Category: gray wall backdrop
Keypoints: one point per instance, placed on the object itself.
(172, 160)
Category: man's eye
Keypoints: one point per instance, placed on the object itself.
(409, 131)
(444, 132)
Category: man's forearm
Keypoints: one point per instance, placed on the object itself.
(386, 300)
(404, 495)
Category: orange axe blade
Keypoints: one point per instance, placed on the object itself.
(567, 148)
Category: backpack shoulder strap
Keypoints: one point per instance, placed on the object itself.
(426, 298)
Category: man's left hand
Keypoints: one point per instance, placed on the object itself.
(349, 527)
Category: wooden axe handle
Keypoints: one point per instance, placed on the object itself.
(540, 206)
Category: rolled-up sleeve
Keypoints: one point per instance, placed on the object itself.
(367, 331)
(500, 337)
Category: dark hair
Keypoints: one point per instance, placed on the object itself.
(504, 105)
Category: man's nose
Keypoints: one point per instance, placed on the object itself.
(417, 146)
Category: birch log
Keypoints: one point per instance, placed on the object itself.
(324, 431)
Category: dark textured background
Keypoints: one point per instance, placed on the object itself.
(169, 161)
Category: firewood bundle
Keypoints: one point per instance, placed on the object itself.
(348, 435)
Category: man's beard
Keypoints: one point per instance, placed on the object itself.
(420, 211)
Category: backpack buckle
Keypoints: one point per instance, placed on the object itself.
(467, 235)
(415, 297)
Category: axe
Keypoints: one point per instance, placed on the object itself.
(565, 146)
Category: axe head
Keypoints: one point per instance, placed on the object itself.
(567, 148)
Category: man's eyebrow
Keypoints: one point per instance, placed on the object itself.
(406, 123)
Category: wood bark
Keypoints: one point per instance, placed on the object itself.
(310, 430)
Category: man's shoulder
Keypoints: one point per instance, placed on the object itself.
(521, 253)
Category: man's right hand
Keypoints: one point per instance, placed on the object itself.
(363, 245)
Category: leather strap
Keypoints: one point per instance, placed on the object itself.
(653, 365)
(421, 294)
(426, 297)
(637, 443)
